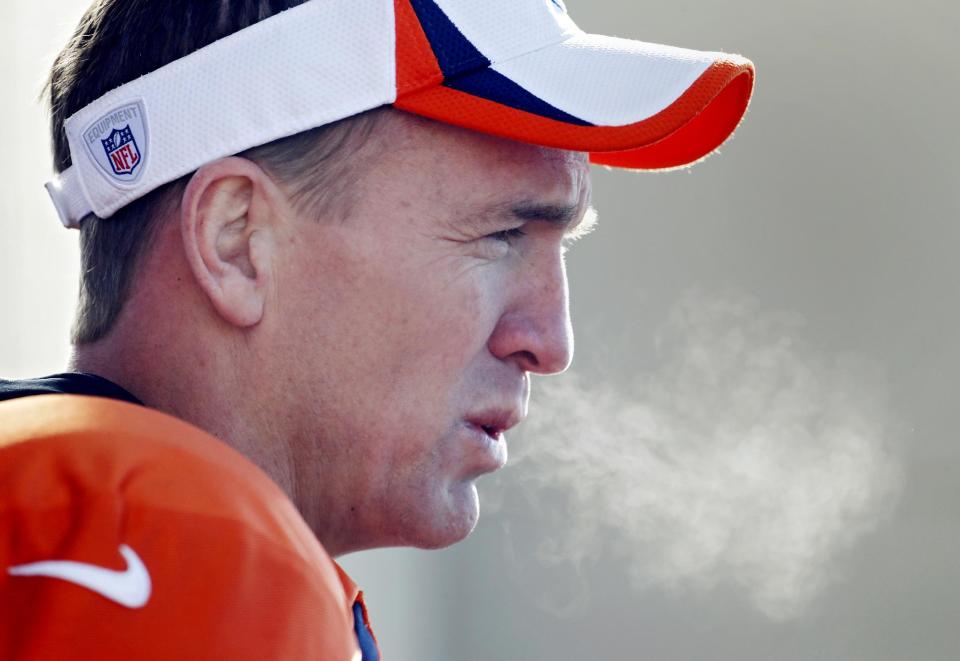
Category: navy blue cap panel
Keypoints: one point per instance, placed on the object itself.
(494, 86)
(468, 70)
(454, 52)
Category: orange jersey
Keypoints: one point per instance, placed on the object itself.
(129, 534)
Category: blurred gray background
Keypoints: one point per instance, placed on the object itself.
(755, 456)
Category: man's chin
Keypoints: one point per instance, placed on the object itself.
(456, 522)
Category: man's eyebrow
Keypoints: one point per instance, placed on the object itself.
(563, 216)
(555, 214)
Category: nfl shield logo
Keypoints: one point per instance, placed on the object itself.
(119, 143)
(122, 151)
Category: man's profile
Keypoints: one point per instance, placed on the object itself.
(322, 253)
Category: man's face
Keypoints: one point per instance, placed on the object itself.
(409, 329)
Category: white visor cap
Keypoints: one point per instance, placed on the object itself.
(519, 69)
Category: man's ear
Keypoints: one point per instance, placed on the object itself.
(229, 218)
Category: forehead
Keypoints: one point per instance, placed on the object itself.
(455, 164)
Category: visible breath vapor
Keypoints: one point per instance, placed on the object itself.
(745, 459)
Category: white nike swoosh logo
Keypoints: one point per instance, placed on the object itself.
(130, 588)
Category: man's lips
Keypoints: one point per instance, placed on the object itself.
(491, 432)
(487, 449)
(493, 422)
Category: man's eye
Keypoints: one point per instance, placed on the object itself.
(506, 235)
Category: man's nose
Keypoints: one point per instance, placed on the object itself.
(535, 330)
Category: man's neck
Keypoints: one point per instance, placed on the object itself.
(198, 386)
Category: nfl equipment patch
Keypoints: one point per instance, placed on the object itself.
(118, 143)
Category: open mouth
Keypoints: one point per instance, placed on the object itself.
(493, 432)
(492, 423)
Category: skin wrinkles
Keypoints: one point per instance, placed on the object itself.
(347, 359)
(570, 218)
